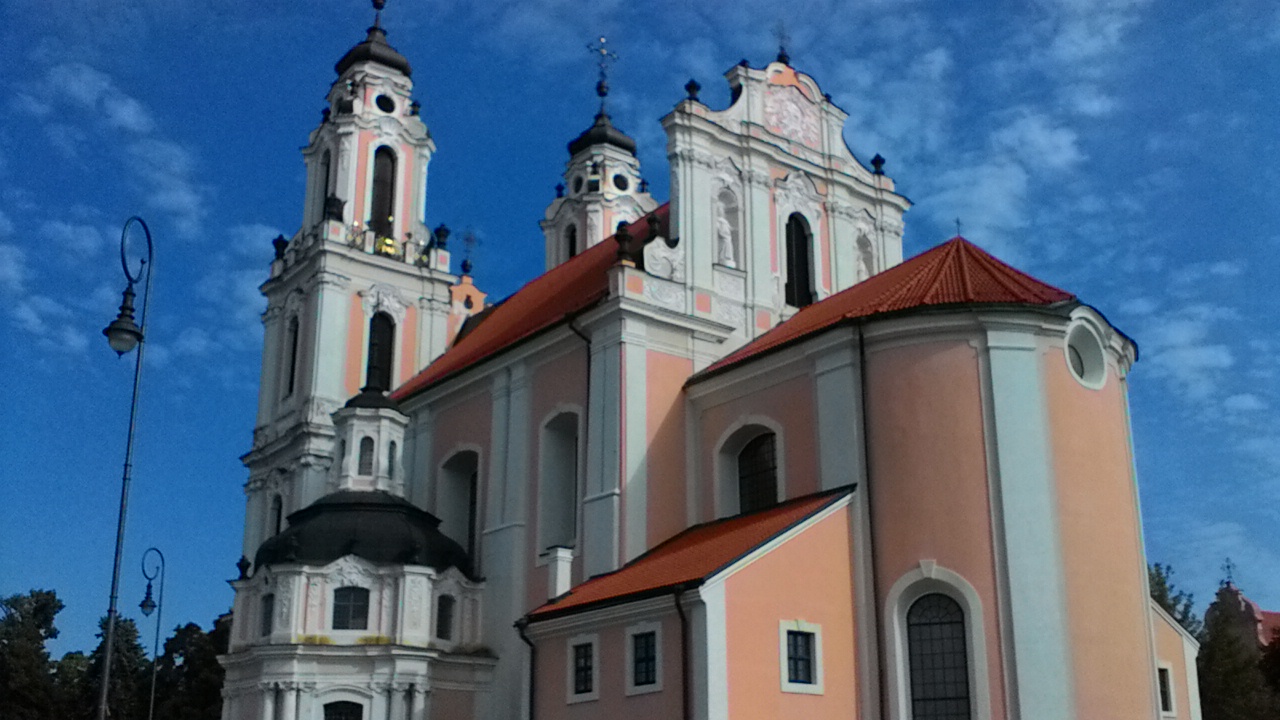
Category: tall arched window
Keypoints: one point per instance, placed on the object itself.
(384, 192)
(758, 473)
(571, 241)
(939, 659)
(799, 288)
(325, 179)
(365, 461)
(391, 460)
(343, 710)
(457, 500)
(444, 617)
(350, 608)
(277, 514)
(558, 482)
(292, 345)
(382, 340)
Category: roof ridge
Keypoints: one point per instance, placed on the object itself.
(1008, 276)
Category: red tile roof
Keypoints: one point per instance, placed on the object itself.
(956, 272)
(693, 555)
(543, 302)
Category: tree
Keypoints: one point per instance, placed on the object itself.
(26, 681)
(1174, 601)
(130, 673)
(189, 678)
(1270, 663)
(71, 686)
(1232, 686)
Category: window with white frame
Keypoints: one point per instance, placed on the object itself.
(267, 613)
(758, 473)
(644, 658)
(938, 659)
(583, 669)
(1165, 677)
(444, 617)
(350, 608)
(800, 657)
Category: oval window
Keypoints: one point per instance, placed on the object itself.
(620, 182)
(577, 185)
(1085, 356)
(385, 103)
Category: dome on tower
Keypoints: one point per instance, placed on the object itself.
(374, 48)
(602, 133)
(371, 524)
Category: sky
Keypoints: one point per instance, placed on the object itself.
(1126, 151)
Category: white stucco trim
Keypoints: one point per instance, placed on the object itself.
(628, 669)
(597, 666)
(725, 460)
(815, 687)
(1166, 668)
(717, 649)
(929, 578)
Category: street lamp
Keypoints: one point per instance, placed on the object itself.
(123, 335)
(149, 606)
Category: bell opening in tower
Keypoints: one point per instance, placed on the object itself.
(381, 214)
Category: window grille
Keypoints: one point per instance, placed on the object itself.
(800, 657)
(365, 461)
(939, 659)
(350, 608)
(758, 474)
(583, 669)
(644, 658)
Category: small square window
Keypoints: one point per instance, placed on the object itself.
(800, 657)
(583, 669)
(350, 608)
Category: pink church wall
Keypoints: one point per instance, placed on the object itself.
(408, 345)
(1102, 545)
(359, 209)
(553, 384)
(451, 704)
(1170, 651)
(790, 404)
(356, 328)
(666, 443)
(611, 668)
(820, 561)
(466, 425)
(928, 474)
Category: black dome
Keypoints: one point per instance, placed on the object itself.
(371, 398)
(374, 47)
(373, 524)
(602, 133)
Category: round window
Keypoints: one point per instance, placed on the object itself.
(385, 103)
(577, 185)
(1085, 356)
(620, 182)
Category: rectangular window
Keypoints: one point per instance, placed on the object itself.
(1166, 691)
(583, 669)
(644, 658)
(800, 657)
(350, 608)
(268, 611)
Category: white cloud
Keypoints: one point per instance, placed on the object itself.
(76, 239)
(1183, 349)
(253, 240)
(167, 172)
(1244, 402)
(1039, 142)
(13, 269)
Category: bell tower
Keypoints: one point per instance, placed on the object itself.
(361, 297)
(602, 186)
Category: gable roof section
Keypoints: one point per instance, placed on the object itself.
(545, 301)
(956, 272)
(690, 557)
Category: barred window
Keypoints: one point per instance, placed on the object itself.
(350, 608)
(364, 463)
(939, 659)
(644, 658)
(758, 474)
(583, 669)
(800, 657)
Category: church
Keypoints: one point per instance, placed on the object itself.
(729, 456)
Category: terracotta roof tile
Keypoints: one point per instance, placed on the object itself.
(545, 301)
(956, 272)
(1269, 626)
(693, 555)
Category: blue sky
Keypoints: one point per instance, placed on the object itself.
(1124, 150)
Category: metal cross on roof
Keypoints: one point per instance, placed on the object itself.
(784, 39)
(1229, 569)
(958, 233)
(606, 58)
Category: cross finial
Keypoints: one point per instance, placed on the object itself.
(604, 59)
(784, 39)
(1229, 570)
(958, 233)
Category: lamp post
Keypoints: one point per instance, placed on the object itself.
(149, 606)
(123, 335)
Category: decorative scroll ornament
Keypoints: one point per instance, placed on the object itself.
(796, 193)
(664, 261)
(383, 298)
(664, 294)
(788, 114)
(346, 572)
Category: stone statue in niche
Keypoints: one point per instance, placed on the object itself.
(726, 243)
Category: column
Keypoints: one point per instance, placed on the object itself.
(268, 700)
(289, 711)
(397, 692)
(418, 710)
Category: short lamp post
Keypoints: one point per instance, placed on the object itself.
(123, 335)
(156, 606)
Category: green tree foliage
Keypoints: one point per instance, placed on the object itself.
(1232, 686)
(1174, 601)
(71, 681)
(26, 678)
(130, 673)
(189, 678)
(1271, 663)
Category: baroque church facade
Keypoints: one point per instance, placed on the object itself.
(729, 456)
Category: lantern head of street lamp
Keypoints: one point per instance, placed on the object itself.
(123, 334)
(147, 605)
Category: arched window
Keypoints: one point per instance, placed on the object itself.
(384, 192)
(325, 180)
(365, 462)
(799, 288)
(758, 473)
(457, 499)
(571, 241)
(265, 624)
(382, 339)
(938, 658)
(350, 608)
(444, 617)
(558, 482)
(277, 514)
(391, 460)
(292, 344)
(343, 710)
